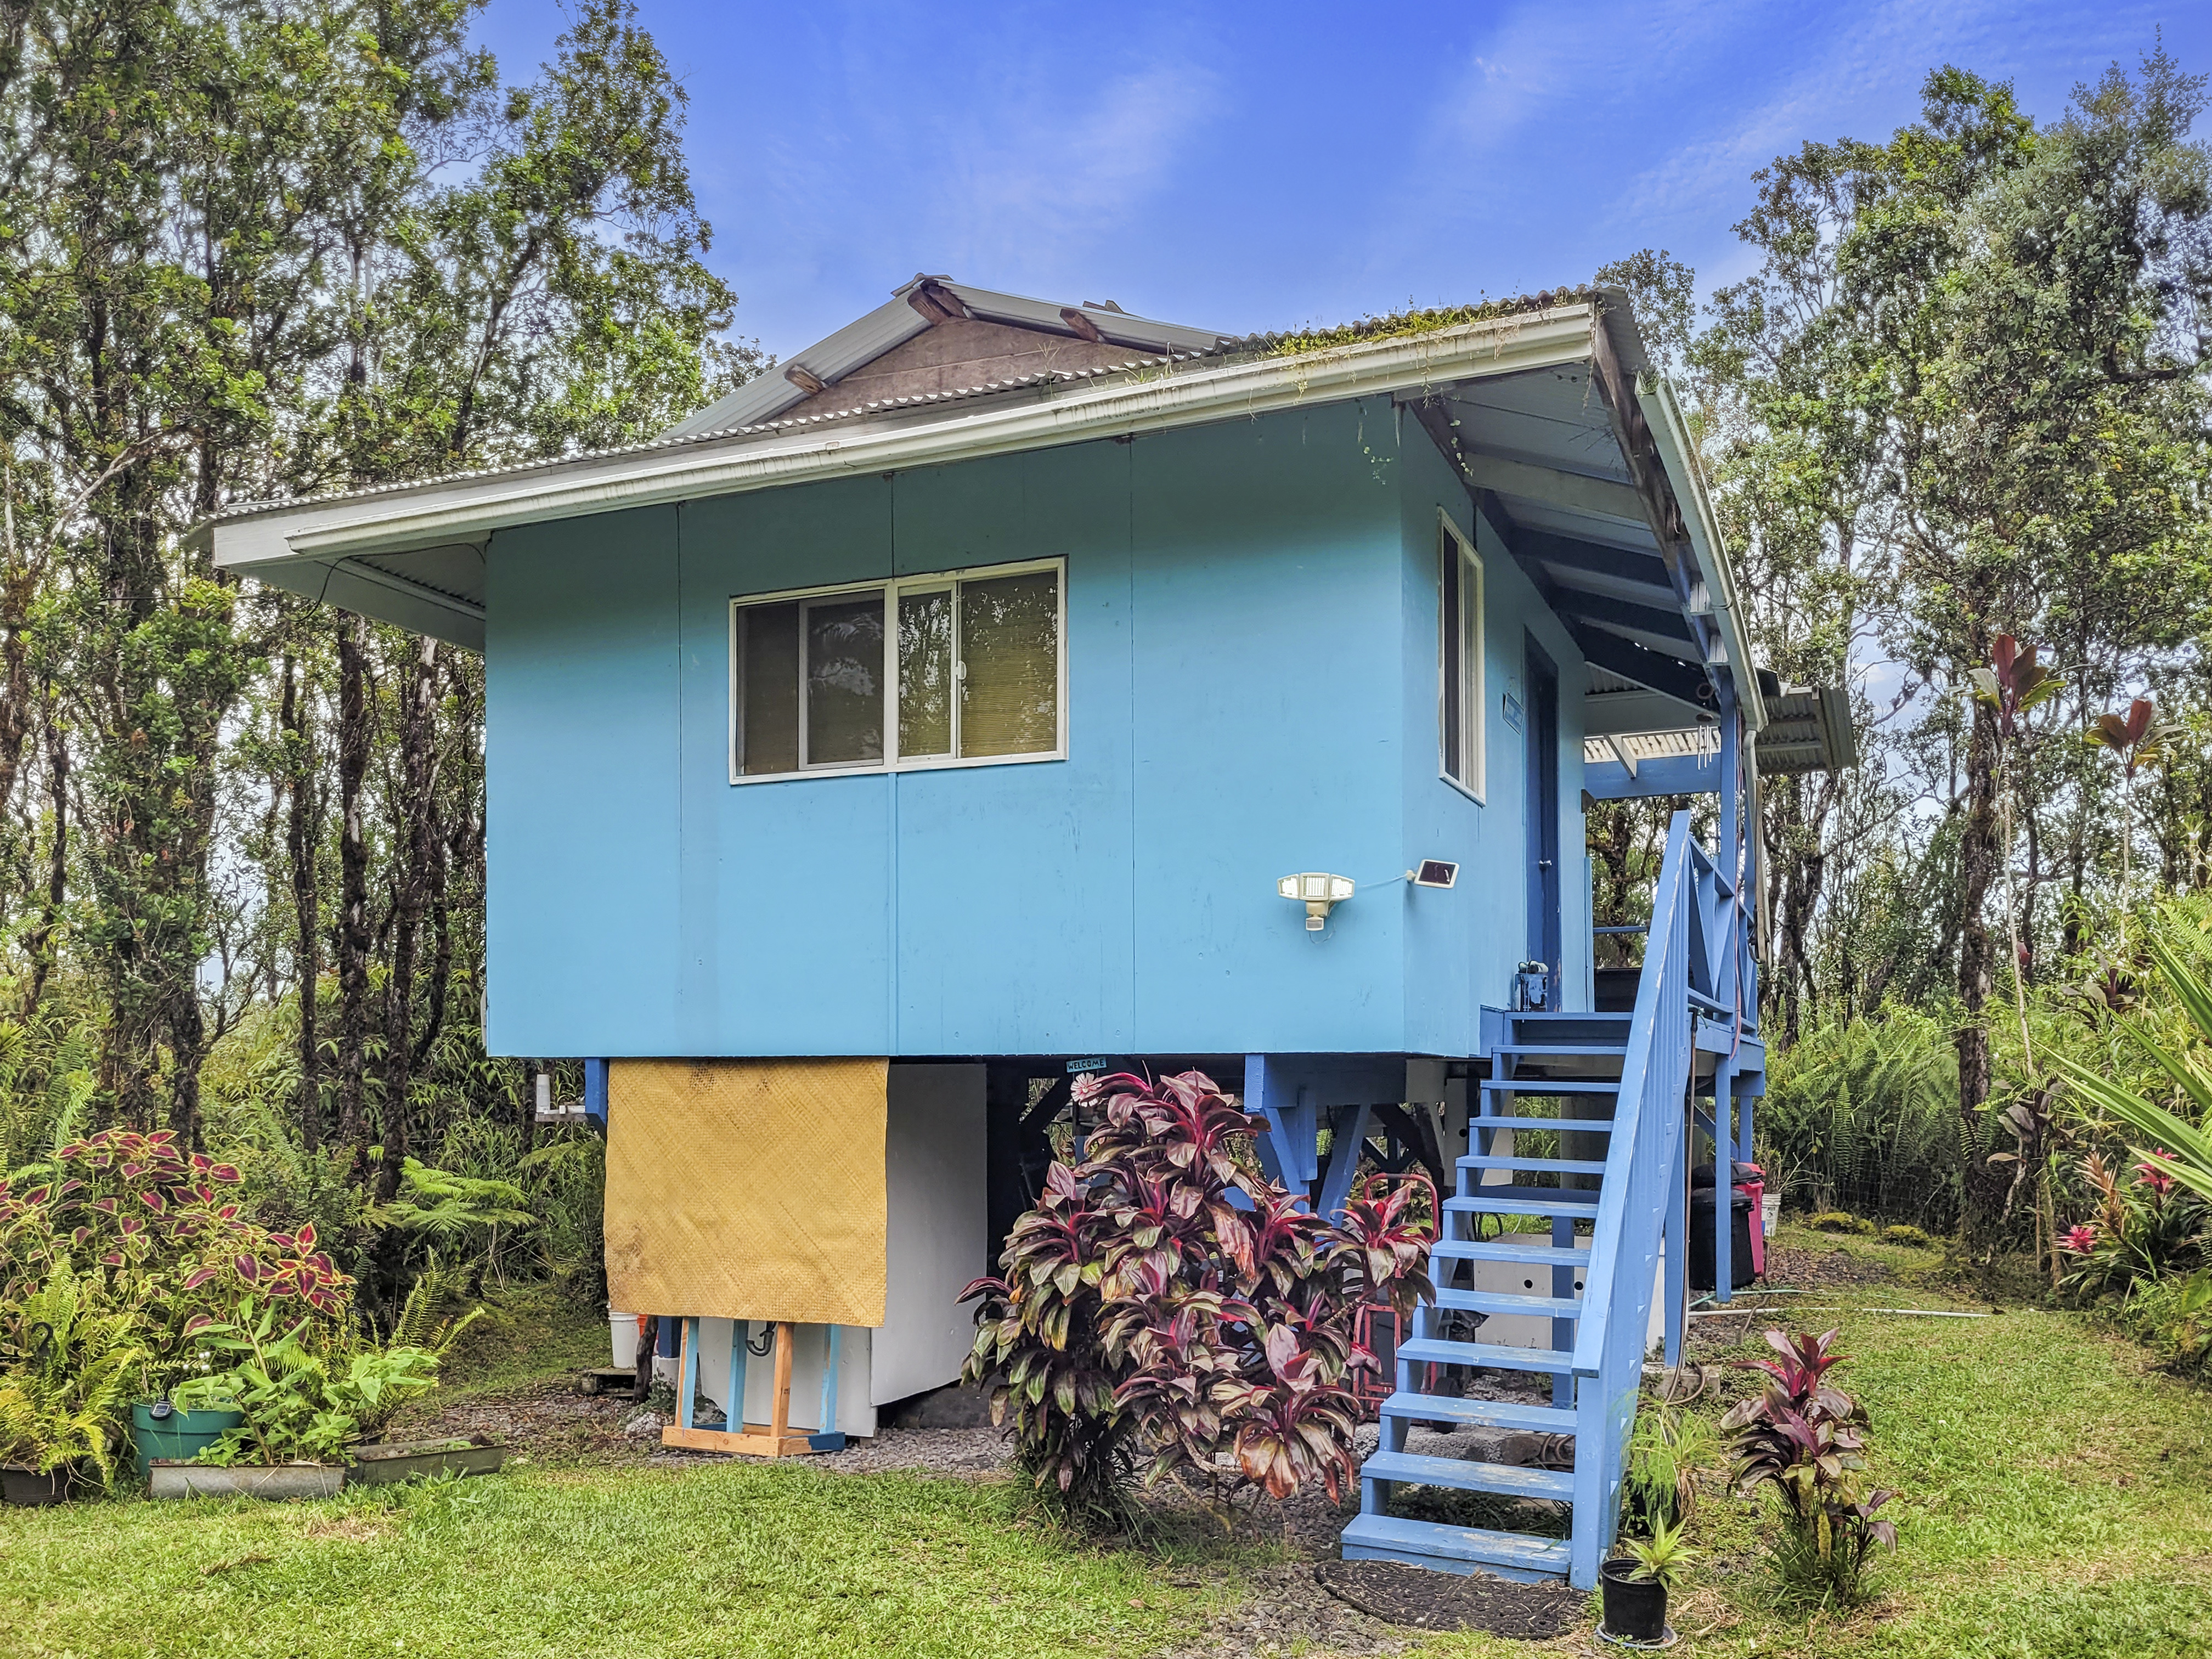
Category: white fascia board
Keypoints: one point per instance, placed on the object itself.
(468, 510)
(1664, 416)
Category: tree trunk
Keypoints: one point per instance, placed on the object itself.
(420, 849)
(1978, 854)
(40, 945)
(302, 836)
(354, 933)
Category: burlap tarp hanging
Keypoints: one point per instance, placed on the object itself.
(747, 1189)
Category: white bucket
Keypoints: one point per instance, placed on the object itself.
(622, 1328)
(1770, 1214)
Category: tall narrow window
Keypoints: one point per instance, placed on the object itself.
(1460, 707)
(940, 670)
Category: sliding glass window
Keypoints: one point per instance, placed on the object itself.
(962, 668)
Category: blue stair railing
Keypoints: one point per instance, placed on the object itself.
(1595, 1289)
(1643, 1191)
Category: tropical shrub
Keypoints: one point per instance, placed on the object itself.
(1802, 1438)
(307, 1393)
(2172, 1317)
(2143, 1227)
(1665, 1449)
(2177, 1146)
(72, 1364)
(1864, 1116)
(164, 1227)
(1166, 1297)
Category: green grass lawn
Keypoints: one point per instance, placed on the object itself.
(2057, 1493)
(717, 1559)
(2058, 1505)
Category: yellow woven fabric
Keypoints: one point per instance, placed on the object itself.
(747, 1189)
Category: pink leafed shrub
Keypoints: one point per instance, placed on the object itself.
(1146, 1311)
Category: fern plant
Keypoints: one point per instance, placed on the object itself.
(74, 1362)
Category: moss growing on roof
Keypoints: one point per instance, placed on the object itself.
(1405, 324)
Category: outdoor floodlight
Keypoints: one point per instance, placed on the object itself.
(1319, 889)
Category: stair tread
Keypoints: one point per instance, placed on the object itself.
(1462, 1250)
(1556, 1202)
(1483, 1414)
(1388, 1537)
(1532, 1165)
(1593, 1048)
(1594, 1126)
(1571, 1085)
(1510, 1302)
(1508, 1479)
(1440, 1351)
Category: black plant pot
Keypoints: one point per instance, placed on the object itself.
(1635, 1608)
(32, 1487)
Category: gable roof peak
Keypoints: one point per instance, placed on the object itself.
(924, 301)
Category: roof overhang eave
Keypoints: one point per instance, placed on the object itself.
(1664, 416)
(280, 542)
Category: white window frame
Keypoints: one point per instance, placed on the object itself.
(892, 761)
(1474, 701)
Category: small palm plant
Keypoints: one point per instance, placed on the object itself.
(1663, 1558)
(73, 1367)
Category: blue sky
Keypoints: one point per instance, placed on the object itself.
(1248, 166)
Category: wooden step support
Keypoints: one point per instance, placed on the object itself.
(776, 1437)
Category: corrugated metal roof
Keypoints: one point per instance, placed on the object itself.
(896, 321)
(697, 431)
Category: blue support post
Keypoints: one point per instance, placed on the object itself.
(1724, 1181)
(1676, 1256)
(687, 1375)
(595, 1091)
(1256, 1104)
(1562, 1330)
(1348, 1133)
(827, 1438)
(734, 1418)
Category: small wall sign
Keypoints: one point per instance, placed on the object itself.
(1513, 711)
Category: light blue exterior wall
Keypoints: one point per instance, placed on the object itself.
(1251, 652)
(1463, 945)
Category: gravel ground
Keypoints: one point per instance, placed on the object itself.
(1288, 1612)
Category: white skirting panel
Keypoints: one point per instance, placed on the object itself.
(937, 1227)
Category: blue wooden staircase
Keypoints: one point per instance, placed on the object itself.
(1575, 1174)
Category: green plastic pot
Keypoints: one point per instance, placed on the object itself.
(160, 1430)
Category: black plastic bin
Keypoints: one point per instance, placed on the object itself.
(1702, 1276)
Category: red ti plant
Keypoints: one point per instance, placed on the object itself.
(1166, 1298)
(1806, 1438)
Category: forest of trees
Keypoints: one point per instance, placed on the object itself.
(251, 251)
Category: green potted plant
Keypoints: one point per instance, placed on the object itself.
(72, 1358)
(1633, 1586)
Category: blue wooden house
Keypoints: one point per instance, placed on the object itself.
(1005, 688)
